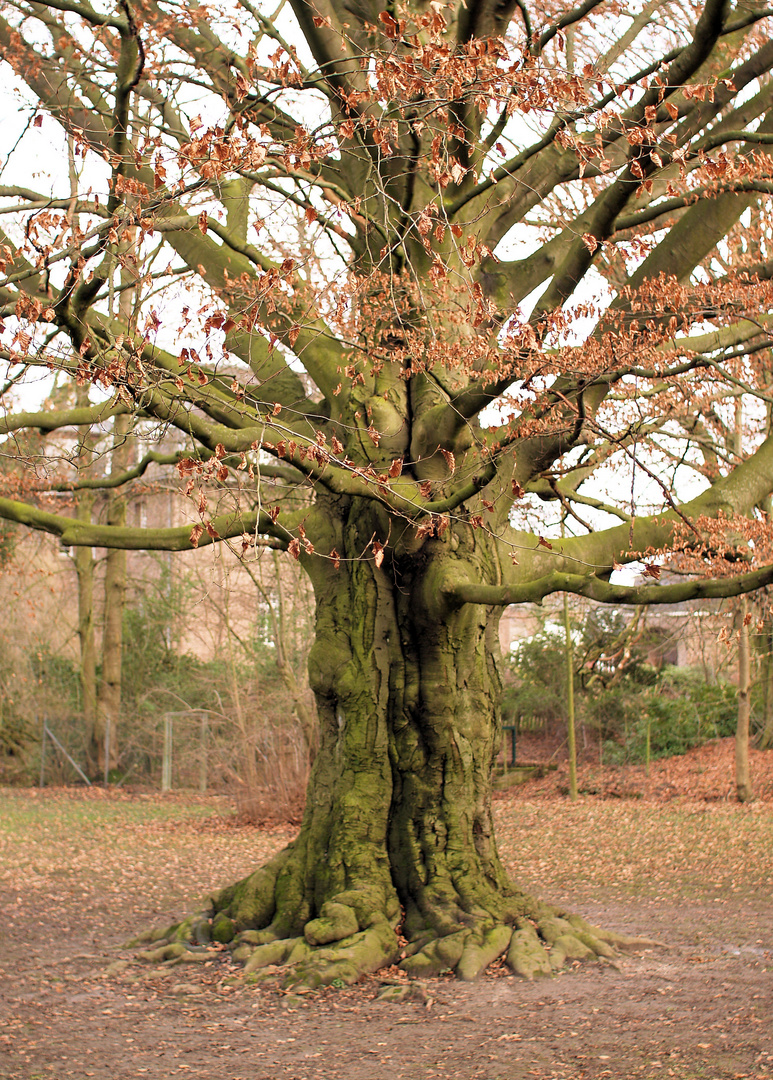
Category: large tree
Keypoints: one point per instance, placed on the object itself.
(412, 285)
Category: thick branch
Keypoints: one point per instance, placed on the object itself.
(76, 533)
(594, 588)
(57, 419)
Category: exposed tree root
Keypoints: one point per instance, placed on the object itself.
(346, 940)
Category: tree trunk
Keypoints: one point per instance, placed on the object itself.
(765, 741)
(87, 670)
(297, 691)
(84, 557)
(570, 729)
(743, 786)
(109, 696)
(397, 831)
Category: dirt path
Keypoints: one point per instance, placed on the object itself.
(79, 874)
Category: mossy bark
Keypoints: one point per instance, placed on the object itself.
(398, 829)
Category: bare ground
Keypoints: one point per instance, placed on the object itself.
(80, 872)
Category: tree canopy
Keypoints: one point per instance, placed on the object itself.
(371, 232)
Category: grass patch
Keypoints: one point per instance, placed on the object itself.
(157, 852)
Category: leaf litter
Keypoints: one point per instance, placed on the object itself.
(80, 872)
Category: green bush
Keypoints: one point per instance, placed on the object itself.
(36, 685)
(16, 739)
(535, 680)
(635, 709)
(679, 712)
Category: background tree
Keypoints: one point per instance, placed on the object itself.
(763, 641)
(407, 278)
(743, 784)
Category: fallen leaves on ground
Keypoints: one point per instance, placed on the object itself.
(81, 871)
(705, 772)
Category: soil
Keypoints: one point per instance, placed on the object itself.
(84, 870)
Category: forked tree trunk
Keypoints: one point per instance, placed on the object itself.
(398, 824)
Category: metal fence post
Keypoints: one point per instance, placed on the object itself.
(203, 750)
(166, 762)
(71, 759)
(43, 756)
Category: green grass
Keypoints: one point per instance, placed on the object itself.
(111, 850)
(22, 809)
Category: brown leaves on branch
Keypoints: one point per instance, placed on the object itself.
(390, 26)
(450, 460)
(727, 544)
